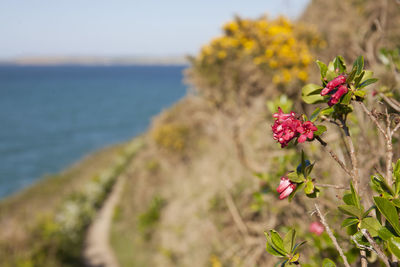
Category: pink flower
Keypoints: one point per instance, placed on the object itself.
(287, 191)
(306, 130)
(339, 80)
(316, 228)
(285, 187)
(287, 127)
(337, 95)
(285, 182)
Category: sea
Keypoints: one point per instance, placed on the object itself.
(52, 116)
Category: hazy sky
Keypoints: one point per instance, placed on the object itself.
(122, 27)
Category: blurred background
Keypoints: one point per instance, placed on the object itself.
(137, 133)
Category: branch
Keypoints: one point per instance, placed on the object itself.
(235, 213)
(372, 117)
(354, 174)
(333, 238)
(333, 155)
(377, 249)
(389, 150)
(390, 102)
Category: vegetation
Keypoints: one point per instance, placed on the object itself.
(204, 187)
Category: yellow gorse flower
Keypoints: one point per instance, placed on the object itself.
(277, 46)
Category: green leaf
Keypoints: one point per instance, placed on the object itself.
(295, 257)
(289, 240)
(380, 185)
(321, 130)
(350, 210)
(367, 82)
(396, 202)
(358, 78)
(328, 263)
(309, 189)
(396, 175)
(315, 114)
(384, 233)
(330, 74)
(349, 221)
(348, 199)
(272, 251)
(372, 225)
(298, 188)
(327, 111)
(310, 89)
(394, 246)
(277, 241)
(297, 246)
(313, 99)
(339, 64)
(367, 75)
(354, 195)
(359, 93)
(359, 64)
(314, 194)
(296, 178)
(351, 76)
(346, 98)
(359, 237)
(389, 211)
(322, 68)
(308, 169)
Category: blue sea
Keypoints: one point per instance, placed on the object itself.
(50, 117)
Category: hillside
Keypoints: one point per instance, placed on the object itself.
(200, 184)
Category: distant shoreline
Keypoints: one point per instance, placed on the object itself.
(95, 61)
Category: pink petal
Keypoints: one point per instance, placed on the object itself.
(302, 138)
(283, 185)
(287, 191)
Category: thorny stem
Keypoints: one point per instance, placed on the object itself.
(333, 238)
(354, 173)
(377, 249)
(333, 155)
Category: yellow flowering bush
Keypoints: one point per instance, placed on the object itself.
(251, 54)
(171, 136)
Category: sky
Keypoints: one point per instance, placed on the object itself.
(122, 27)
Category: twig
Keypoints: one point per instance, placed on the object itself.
(333, 155)
(391, 103)
(354, 173)
(389, 150)
(363, 258)
(235, 213)
(373, 119)
(377, 249)
(395, 129)
(333, 238)
(332, 186)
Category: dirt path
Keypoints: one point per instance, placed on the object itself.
(97, 252)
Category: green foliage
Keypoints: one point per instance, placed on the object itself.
(59, 238)
(149, 219)
(356, 80)
(285, 248)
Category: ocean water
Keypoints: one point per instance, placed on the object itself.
(50, 117)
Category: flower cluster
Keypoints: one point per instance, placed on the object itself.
(288, 127)
(339, 81)
(285, 188)
(278, 46)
